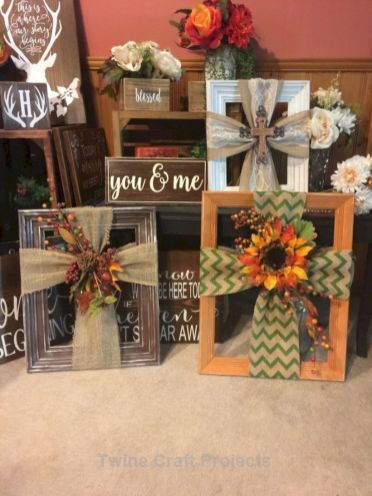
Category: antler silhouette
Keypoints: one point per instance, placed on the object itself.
(9, 107)
(40, 102)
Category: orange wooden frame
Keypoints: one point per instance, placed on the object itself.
(334, 368)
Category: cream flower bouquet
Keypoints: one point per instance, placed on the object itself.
(138, 60)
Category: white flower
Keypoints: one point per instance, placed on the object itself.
(149, 45)
(323, 130)
(344, 119)
(167, 65)
(328, 98)
(128, 57)
(363, 200)
(351, 174)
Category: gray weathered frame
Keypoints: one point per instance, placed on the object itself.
(43, 358)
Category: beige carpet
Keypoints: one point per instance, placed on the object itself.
(169, 431)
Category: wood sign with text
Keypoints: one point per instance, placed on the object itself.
(154, 180)
(86, 151)
(12, 336)
(24, 105)
(42, 38)
(178, 300)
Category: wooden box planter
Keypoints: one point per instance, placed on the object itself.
(145, 94)
(197, 96)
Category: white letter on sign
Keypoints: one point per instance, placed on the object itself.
(25, 101)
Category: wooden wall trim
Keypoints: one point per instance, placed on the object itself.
(285, 65)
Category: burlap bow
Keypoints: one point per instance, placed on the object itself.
(227, 137)
(96, 342)
(274, 344)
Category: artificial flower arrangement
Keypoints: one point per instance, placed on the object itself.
(138, 60)
(277, 257)
(329, 116)
(4, 51)
(92, 277)
(217, 23)
(354, 175)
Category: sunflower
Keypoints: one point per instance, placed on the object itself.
(276, 256)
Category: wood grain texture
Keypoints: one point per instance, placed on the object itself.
(334, 368)
(355, 84)
(197, 96)
(33, 41)
(145, 94)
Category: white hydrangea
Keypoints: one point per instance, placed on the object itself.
(344, 119)
(363, 200)
(166, 64)
(351, 174)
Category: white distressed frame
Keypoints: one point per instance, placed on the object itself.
(296, 94)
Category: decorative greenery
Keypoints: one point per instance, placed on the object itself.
(92, 276)
(276, 256)
(199, 150)
(30, 193)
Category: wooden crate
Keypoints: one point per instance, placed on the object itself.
(197, 96)
(145, 94)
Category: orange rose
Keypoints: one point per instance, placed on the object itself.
(204, 26)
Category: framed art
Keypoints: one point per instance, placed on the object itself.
(63, 162)
(42, 38)
(231, 358)
(293, 97)
(50, 318)
(86, 151)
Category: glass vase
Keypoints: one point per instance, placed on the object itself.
(220, 63)
(318, 168)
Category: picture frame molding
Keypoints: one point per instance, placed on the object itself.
(296, 94)
(335, 366)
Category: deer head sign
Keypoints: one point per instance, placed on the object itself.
(32, 28)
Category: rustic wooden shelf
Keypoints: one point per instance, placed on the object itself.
(121, 118)
(45, 137)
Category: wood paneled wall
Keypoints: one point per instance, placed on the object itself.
(355, 82)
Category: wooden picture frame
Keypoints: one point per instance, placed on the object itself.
(334, 368)
(139, 222)
(85, 153)
(62, 162)
(295, 93)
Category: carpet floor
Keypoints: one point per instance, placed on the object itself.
(169, 431)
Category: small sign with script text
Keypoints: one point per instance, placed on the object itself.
(24, 105)
(154, 180)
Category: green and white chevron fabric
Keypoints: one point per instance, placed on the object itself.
(331, 272)
(284, 204)
(274, 344)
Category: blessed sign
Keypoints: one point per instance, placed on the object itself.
(154, 180)
(86, 152)
(146, 94)
(24, 105)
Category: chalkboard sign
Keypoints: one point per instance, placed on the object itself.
(154, 180)
(41, 35)
(11, 322)
(86, 151)
(24, 105)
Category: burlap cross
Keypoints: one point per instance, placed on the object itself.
(227, 137)
(96, 342)
(274, 343)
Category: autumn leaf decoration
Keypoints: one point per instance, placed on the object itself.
(275, 256)
(92, 277)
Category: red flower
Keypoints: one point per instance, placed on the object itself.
(239, 30)
(204, 26)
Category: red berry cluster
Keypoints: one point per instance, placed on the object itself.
(73, 273)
